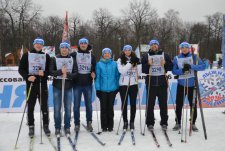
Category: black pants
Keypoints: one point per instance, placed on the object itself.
(132, 93)
(180, 102)
(161, 93)
(107, 113)
(34, 94)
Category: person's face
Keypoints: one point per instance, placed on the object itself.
(107, 55)
(154, 47)
(64, 51)
(184, 50)
(127, 52)
(83, 46)
(38, 47)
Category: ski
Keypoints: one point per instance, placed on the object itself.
(51, 142)
(31, 145)
(167, 138)
(58, 143)
(122, 136)
(71, 142)
(154, 138)
(94, 136)
(132, 137)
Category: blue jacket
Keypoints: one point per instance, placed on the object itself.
(178, 71)
(107, 76)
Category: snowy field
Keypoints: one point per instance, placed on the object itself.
(215, 125)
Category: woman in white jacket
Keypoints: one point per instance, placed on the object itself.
(129, 68)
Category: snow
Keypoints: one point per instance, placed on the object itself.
(214, 119)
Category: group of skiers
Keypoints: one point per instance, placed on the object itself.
(75, 73)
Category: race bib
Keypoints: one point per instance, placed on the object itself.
(156, 69)
(131, 73)
(36, 62)
(181, 62)
(84, 63)
(67, 62)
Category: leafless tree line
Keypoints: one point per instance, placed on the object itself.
(21, 21)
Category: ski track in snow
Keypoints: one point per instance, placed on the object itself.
(215, 123)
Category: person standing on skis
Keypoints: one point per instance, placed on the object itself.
(86, 63)
(34, 68)
(155, 63)
(184, 68)
(107, 84)
(128, 66)
(63, 68)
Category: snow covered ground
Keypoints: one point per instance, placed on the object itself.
(215, 124)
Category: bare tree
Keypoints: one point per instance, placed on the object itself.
(138, 14)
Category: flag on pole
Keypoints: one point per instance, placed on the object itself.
(65, 35)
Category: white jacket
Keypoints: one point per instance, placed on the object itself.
(128, 72)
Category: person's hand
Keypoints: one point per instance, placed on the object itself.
(64, 76)
(93, 75)
(64, 70)
(134, 61)
(41, 73)
(150, 61)
(163, 62)
(31, 78)
(186, 68)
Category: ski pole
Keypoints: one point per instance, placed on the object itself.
(125, 99)
(40, 95)
(96, 108)
(139, 98)
(27, 98)
(183, 105)
(185, 140)
(147, 99)
(62, 99)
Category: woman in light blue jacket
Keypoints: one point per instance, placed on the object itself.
(107, 84)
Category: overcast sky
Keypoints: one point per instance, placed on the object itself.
(190, 10)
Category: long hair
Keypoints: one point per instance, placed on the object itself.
(123, 57)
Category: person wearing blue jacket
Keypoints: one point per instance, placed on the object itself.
(107, 84)
(184, 68)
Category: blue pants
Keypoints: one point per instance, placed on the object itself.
(57, 96)
(87, 92)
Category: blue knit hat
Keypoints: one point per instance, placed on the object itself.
(153, 41)
(83, 40)
(127, 47)
(184, 45)
(64, 44)
(38, 40)
(105, 50)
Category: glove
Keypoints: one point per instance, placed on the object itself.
(134, 61)
(99, 94)
(186, 67)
